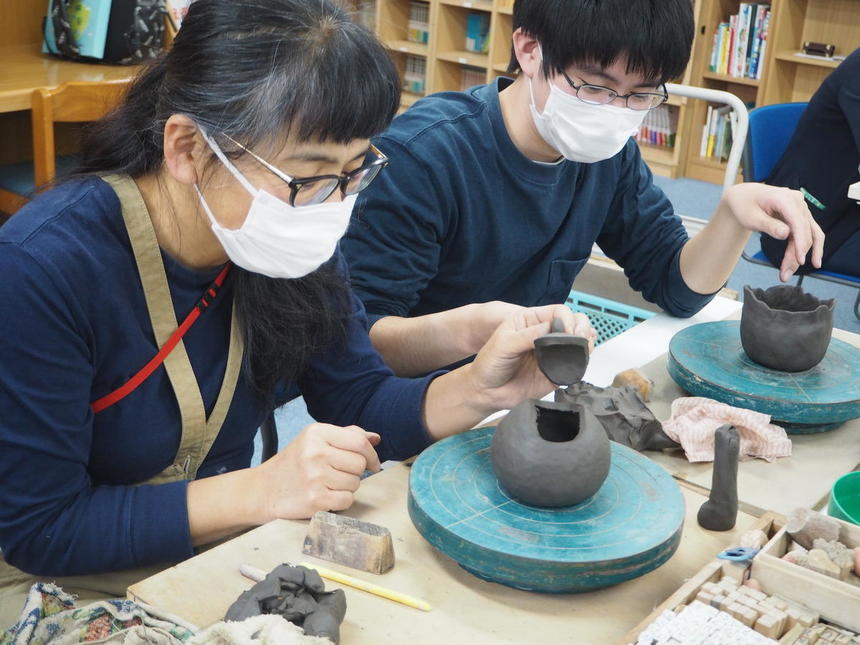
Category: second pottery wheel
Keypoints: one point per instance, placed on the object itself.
(631, 526)
(707, 360)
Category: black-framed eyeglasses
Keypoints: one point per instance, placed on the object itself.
(306, 191)
(599, 95)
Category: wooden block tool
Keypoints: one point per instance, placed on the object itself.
(350, 542)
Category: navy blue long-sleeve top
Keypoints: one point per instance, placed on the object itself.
(460, 216)
(823, 157)
(73, 327)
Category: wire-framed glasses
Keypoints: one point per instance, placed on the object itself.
(306, 191)
(599, 95)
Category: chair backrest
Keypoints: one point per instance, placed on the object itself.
(68, 103)
(770, 129)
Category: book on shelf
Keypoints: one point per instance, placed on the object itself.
(717, 133)
(418, 28)
(659, 127)
(739, 44)
(472, 76)
(415, 75)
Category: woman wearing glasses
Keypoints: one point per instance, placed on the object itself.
(160, 304)
(496, 195)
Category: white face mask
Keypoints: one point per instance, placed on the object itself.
(581, 131)
(276, 239)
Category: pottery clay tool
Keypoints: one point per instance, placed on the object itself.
(631, 526)
(253, 573)
(707, 360)
(350, 542)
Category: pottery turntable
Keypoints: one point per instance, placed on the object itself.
(707, 360)
(631, 525)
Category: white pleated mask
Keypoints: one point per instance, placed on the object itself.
(581, 131)
(276, 239)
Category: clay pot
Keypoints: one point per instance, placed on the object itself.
(550, 453)
(785, 328)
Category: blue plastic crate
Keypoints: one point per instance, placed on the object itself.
(609, 318)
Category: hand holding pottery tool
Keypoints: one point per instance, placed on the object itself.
(720, 512)
(785, 328)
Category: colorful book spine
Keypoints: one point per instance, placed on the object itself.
(739, 44)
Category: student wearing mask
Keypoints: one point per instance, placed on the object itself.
(157, 306)
(496, 195)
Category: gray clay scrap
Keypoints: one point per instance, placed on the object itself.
(298, 594)
(552, 454)
(784, 328)
(622, 413)
(720, 512)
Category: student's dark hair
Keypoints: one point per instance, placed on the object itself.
(656, 36)
(259, 71)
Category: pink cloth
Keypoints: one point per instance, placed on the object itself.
(695, 419)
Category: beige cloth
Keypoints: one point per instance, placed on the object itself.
(198, 432)
(695, 419)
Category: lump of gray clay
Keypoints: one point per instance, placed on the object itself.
(622, 413)
(784, 328)
(720, 511)
(298, 594)
(550, 454)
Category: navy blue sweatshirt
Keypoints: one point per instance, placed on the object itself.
(823, 157)
(73, 327)
(460, 215)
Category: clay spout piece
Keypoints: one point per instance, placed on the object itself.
(562, 357)
(550, 454)
(720, 512)
(784, 328)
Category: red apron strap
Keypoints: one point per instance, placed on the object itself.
(124, 390)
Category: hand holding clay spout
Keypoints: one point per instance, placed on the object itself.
(506, 372)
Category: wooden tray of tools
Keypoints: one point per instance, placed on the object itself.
(834, 600)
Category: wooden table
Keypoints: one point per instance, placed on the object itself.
(804, 479)
(23, 68)
(465, 608)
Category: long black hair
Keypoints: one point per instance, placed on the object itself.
(259, 71)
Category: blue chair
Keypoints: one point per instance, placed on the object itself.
(770, 129)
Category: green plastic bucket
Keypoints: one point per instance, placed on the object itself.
(845, 498)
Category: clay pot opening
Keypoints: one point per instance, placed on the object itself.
(794, 300)
(557, 425)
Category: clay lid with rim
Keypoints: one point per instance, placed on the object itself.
(562, 357)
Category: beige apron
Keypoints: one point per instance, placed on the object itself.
(198, 432)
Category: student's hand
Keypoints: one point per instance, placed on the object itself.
(319, 470)
(482, 319)
(505, 371)
(781, 213)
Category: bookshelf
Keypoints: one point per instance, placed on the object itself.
(785, 76)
